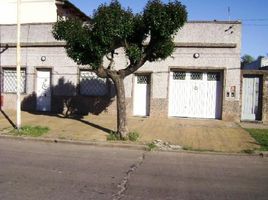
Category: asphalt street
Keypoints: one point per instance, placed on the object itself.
(53, 171)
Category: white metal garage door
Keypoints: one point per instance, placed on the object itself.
(195, 94)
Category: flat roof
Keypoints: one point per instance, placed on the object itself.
(214, 22)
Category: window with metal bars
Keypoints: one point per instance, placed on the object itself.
(92, 85)
(9, 77)
(214, 76)
(143, 79)
(196, 76)
(179, 75)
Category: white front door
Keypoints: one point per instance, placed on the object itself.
(141, 95)
(250, 98)
(195, 94)
(43, 90)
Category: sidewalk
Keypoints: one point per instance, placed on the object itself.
(195, 134)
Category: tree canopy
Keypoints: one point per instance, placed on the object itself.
(246, 59)
(112, 27)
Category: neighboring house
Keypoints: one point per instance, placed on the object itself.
(200, 80)
(255, 91)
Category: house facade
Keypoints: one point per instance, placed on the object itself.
(201, 79)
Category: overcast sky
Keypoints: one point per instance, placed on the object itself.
(252, 13)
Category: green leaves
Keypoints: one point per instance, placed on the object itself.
(134, 53)
(112, 24)
(161, 49)
(163, 20)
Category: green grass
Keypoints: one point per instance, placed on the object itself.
(261, 136)
(32, 131)
(132, 136)
(151, 146)
(113, 136)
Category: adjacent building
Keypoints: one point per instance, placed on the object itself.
(201, 79)
(255, 91)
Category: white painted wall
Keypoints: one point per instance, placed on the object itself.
(32, 11)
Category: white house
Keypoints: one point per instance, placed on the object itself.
(200, 80)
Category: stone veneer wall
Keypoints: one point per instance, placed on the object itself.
(265, 99)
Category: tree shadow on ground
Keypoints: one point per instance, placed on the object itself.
(67, 101)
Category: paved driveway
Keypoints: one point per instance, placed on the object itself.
(215, 135)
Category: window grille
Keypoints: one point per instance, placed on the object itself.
(143, 79)
(10, 81)
(179, 75)
(196, 76)
(214, 76)
(92, 85)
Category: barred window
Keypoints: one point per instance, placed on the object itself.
(196, 76)
(10, 81)
(143, 79)
(92, 85)
(179, 75)
(214, 76)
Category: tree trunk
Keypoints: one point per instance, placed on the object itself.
(122, 129)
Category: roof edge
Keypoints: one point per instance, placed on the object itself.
(69, 4)
(214, 22)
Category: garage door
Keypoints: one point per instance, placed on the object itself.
(195, 94)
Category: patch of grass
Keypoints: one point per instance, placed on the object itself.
(261, 136)
(33, 131)
(133, 136)
(151, 146)
(113, 136)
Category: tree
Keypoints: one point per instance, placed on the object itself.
(147, 36)
(246, 59)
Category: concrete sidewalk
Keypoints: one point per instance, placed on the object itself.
(195, 134)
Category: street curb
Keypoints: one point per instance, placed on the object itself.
(78, 142)
(126, 146)
(257, 153)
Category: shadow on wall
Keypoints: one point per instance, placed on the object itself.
(67, 100)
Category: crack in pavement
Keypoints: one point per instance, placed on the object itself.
(123, 185)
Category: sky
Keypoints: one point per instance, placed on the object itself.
(252, 13)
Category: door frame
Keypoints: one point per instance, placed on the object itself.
(260, 100)
(50, 69)
(149, 92)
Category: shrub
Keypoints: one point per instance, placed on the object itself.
(113, 136)
(133, 136)
(151, 146)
